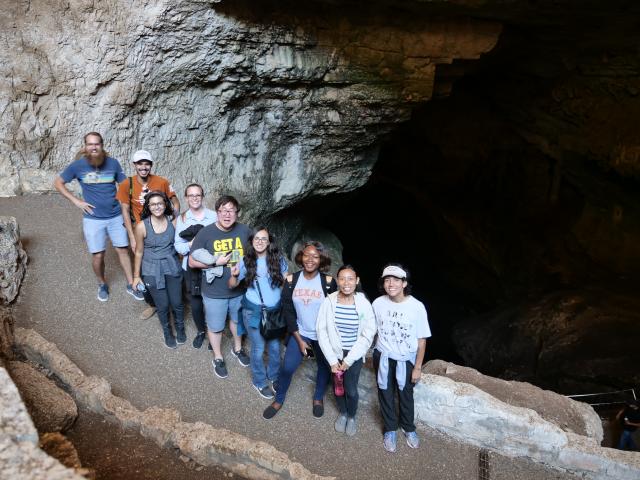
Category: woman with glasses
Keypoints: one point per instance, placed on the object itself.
(188, 225)
(262, 269)
(156, 264)
(302, 295)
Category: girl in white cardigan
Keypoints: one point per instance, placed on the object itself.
(346, 327)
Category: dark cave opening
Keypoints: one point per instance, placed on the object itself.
(491, 228)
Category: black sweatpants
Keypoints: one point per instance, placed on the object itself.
(197, 312)
(387, 399)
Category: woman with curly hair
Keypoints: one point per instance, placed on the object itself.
(302, 295)
(156, 264)
(262, 269)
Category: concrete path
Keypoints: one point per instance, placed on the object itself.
(58, 299)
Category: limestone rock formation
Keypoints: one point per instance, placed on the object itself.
(50, 407)
(13, 260)
(20, 457)
(59, 447)
(6, 334)
(466, 412)
(270, 106)
(569, 415)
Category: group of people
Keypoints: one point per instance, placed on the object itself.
(230, 270)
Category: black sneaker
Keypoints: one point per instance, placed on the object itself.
(181, 337)
(170, 341)
(242, 357)
(197, 341)
(265, 392)
(219, 368)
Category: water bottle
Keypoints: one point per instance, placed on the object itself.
(141, 287)
(338, 383)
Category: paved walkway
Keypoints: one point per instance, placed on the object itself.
(58, 299)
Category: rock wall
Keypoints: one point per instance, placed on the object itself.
(458, 409)
(198, 441)
(20, 457)
(271, 107)
(13, 260)
(471, 415)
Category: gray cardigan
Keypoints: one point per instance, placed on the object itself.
(329, 337)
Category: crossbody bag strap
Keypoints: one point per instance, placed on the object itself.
(131, 215)
(259, 293)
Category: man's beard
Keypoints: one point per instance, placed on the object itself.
(95, 159)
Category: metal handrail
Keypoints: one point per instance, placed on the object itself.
(583, 395)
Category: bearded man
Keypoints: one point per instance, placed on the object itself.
(99, 175)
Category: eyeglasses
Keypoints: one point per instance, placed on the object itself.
(194, 195)
(156, 205)
(227, 212)
(261, 239)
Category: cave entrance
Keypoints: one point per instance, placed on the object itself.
(460, 199)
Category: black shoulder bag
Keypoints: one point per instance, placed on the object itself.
(272, 322)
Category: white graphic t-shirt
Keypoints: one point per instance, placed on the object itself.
(400, 325)
(307, 298)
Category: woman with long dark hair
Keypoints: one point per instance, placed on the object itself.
(262, 269)
(156, 264)
(302, 295)
(346, 328)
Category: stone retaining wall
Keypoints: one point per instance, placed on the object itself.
(201, 442)
(20, 457)
(467, 413)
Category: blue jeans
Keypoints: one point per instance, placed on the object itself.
(626, 441)
(291, 362)
(259, 374)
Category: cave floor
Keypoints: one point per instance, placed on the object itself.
(58, 299)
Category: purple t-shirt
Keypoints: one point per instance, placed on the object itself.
(99, 185)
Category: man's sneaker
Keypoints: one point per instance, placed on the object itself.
(265, 392)
(103, 292)
(412, 439)
(134, 293)
(147, 313)
(352, 427)
(390, 441)
(219, 368)
(341, 423)
(197, 341)
(242, 357)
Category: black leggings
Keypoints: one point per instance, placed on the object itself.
(197, 312)
(168, 297)
(348, 403)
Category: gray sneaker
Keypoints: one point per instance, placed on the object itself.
(390, 441)
(219, 368)
(265, 392)
(351, 427)
(341, 423)
(242, 357)
(103, 292)
(412, 439)
(134, 293)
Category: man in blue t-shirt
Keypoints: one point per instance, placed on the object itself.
(99, 175)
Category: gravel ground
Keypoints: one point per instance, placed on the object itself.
(58, 300)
